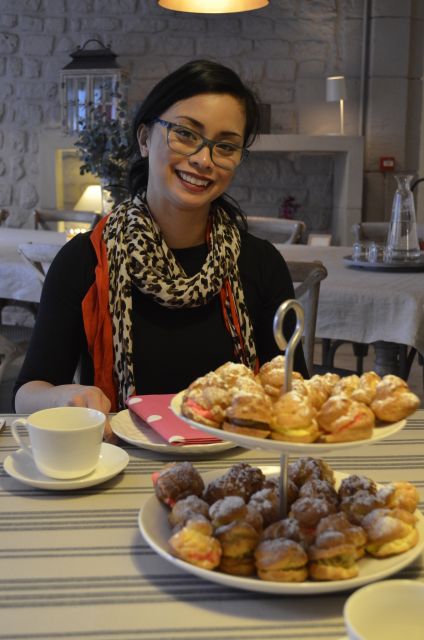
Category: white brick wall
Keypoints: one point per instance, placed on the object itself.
(285, 51)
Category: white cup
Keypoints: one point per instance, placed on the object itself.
(65, 441)
(388, 610)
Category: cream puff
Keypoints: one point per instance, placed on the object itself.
(366, 389)
(226, 510)
(293, 419)
(238, 542)
(358, 505)
(231, 372)
(354, 483)
(342, 419)
(186, 508)
(390, 532)
(272, 376)
(196, 547)
(399, 495)
(326, 380)
(267, 503)
(205, 400)
(315, 488)
(346, 385)
(308, 512)
(351, 533)
(281, 561)
(249, 414)
(305, 468)
(287, 528)
(240, 480)
(177, 481)
(394, 400)
(334, 562)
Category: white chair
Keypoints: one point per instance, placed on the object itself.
(276, 230)
(42, 219)
(319, 239)
(38, 256)
(307, 278)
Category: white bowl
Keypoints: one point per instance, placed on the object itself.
(388, 610)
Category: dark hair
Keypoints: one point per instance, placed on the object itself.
(191, 79)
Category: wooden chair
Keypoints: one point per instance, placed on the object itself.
(276, 230)
(14, 339)
(43, 218)
(307, 278)
(38, 256)
(4, 214)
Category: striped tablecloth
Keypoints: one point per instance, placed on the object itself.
(74, 565)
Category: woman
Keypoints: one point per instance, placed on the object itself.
(170, 285)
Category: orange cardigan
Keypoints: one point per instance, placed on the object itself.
(98, 322)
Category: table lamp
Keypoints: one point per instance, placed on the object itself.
(91, 199)
(336, 92)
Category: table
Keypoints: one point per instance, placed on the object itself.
(17, 280)
(385, 308)
(74, 565)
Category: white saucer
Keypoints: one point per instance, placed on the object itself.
(134, 431)
(21, 467)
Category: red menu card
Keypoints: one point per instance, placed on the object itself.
(156, 412)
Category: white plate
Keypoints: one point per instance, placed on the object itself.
(112, 461)
(249, 442)
(136, 432)
(153, 524)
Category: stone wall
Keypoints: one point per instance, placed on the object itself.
(285, 51)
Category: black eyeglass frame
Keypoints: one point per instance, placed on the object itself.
(210, 144)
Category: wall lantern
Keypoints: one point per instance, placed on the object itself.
(91, 79)
(213, 6)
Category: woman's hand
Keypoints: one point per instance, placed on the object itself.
(93, 398)
(38, 394)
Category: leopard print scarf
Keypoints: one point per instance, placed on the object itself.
(138, 255)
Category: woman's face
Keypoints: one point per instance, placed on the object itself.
(192, 182)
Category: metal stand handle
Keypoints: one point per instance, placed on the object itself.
(289, 348)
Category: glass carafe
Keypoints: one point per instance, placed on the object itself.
(402, 239)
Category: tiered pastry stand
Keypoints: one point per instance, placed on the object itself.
(153, 522)
(282, 447)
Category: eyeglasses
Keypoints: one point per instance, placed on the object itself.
(188, 142)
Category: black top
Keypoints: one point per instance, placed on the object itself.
(171, 347)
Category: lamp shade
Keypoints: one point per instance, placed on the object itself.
(336, 88)
(91, 199)
(213, 6)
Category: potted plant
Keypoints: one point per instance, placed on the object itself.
(103, 145)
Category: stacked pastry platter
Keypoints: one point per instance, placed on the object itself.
(299, 527)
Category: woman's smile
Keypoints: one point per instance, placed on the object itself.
(193, 182)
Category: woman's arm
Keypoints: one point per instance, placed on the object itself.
(38, 394)
(58, 339)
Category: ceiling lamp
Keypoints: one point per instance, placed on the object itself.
(213, 6)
